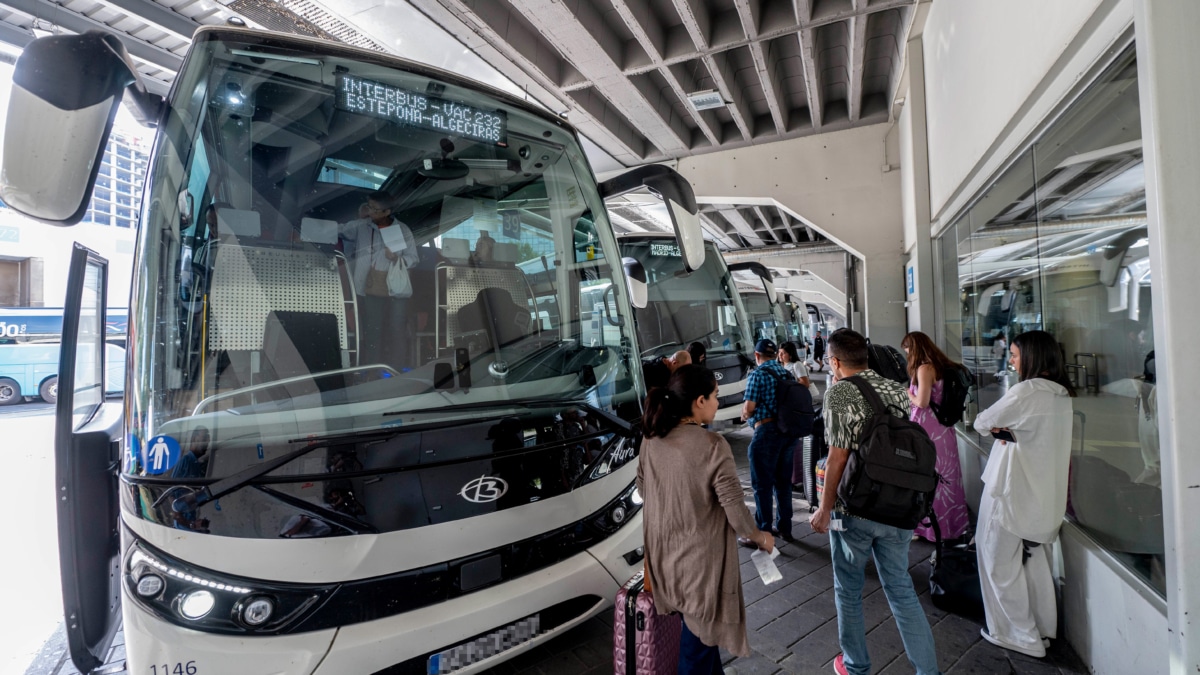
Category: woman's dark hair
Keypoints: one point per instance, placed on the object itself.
(697, 351)
(665, 406)
(790, 348)
(1041, 357)
(921, 350)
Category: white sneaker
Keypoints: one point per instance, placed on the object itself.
(1037, 650)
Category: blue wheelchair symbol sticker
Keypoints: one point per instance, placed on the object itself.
(160, 455)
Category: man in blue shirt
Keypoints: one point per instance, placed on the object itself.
(770, 451)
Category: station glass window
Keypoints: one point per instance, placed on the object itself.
(1059, 242)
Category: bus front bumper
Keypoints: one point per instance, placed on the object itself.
(591, 579)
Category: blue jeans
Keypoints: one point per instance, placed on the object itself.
(697, 658)
(851, 548)
(771, 476)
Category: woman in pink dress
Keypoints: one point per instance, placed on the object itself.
(926, 363)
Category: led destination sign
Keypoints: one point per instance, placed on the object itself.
(409, 107)
(664, 250)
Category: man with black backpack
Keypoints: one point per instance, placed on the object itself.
(883, 468)
(771, 449)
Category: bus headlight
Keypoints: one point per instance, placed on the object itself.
(205, 600)
(197, 604)
(150, 585)
(256, 611)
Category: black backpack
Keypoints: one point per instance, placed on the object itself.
(891, 477)
(957, 387)
(794, 412)
(888, 362)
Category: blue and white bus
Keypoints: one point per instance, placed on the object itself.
(29, 352)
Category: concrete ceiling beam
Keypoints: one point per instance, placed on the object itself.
(579, 40)
(812, 82)
(642, 24)
(787, 223)
(698, 24)
(44, 10)
(720, 234)
(765, 69)
(858, 52)
(743, 226)
(767, 222)
(476, 34)
(160, 16)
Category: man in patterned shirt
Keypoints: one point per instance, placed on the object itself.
(854, 540)
(770, 451)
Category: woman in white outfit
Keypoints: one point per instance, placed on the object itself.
(1025, 497)
(789, 357)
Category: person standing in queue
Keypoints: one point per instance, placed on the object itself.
(926, 363)
(693, 511)
(770, 451)
(854, 540)
(373, 244)
(1024, 496)
(698, 352)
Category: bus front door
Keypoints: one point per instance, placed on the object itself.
(87, 455)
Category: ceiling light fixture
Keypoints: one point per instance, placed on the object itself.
(707, 100)
(40, 32)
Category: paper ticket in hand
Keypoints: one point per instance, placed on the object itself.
(765, 564)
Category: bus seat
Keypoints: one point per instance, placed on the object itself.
(249, 284)
(496, 315)
(299, 343)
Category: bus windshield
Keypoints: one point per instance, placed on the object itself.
(336, 245)
(684, 308)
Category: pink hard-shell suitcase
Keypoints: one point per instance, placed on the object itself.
(644, 643)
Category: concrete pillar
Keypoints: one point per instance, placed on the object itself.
(1167, 53)
(914, 151)
(835, 183)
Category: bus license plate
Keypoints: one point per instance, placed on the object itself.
(486, 646)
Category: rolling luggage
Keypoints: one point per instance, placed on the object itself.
(644, 643)
(804, 463)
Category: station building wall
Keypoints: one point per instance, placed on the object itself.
(1026, 102)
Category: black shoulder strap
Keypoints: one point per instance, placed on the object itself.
(868, 392)
(872, 396)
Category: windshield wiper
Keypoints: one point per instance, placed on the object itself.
(244, 477)
(624, 427)
(325, 513)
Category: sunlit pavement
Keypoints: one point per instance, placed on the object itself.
(33, 600)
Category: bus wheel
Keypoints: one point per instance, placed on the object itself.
(10, 391)
(49, 390)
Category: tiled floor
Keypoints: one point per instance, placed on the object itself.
(792, 623)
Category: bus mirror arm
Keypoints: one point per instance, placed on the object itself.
(144, 105)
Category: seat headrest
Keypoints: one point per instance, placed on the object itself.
(317, 231)
(504, 252)
(456, 249)
(239, 222)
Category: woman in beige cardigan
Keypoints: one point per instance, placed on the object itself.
(694, 511)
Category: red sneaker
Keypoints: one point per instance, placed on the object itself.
(839, 665)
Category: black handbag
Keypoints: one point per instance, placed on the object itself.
(954, 577)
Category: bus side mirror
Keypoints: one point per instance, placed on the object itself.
(65, 93)
(635, 280)
(676, 193)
